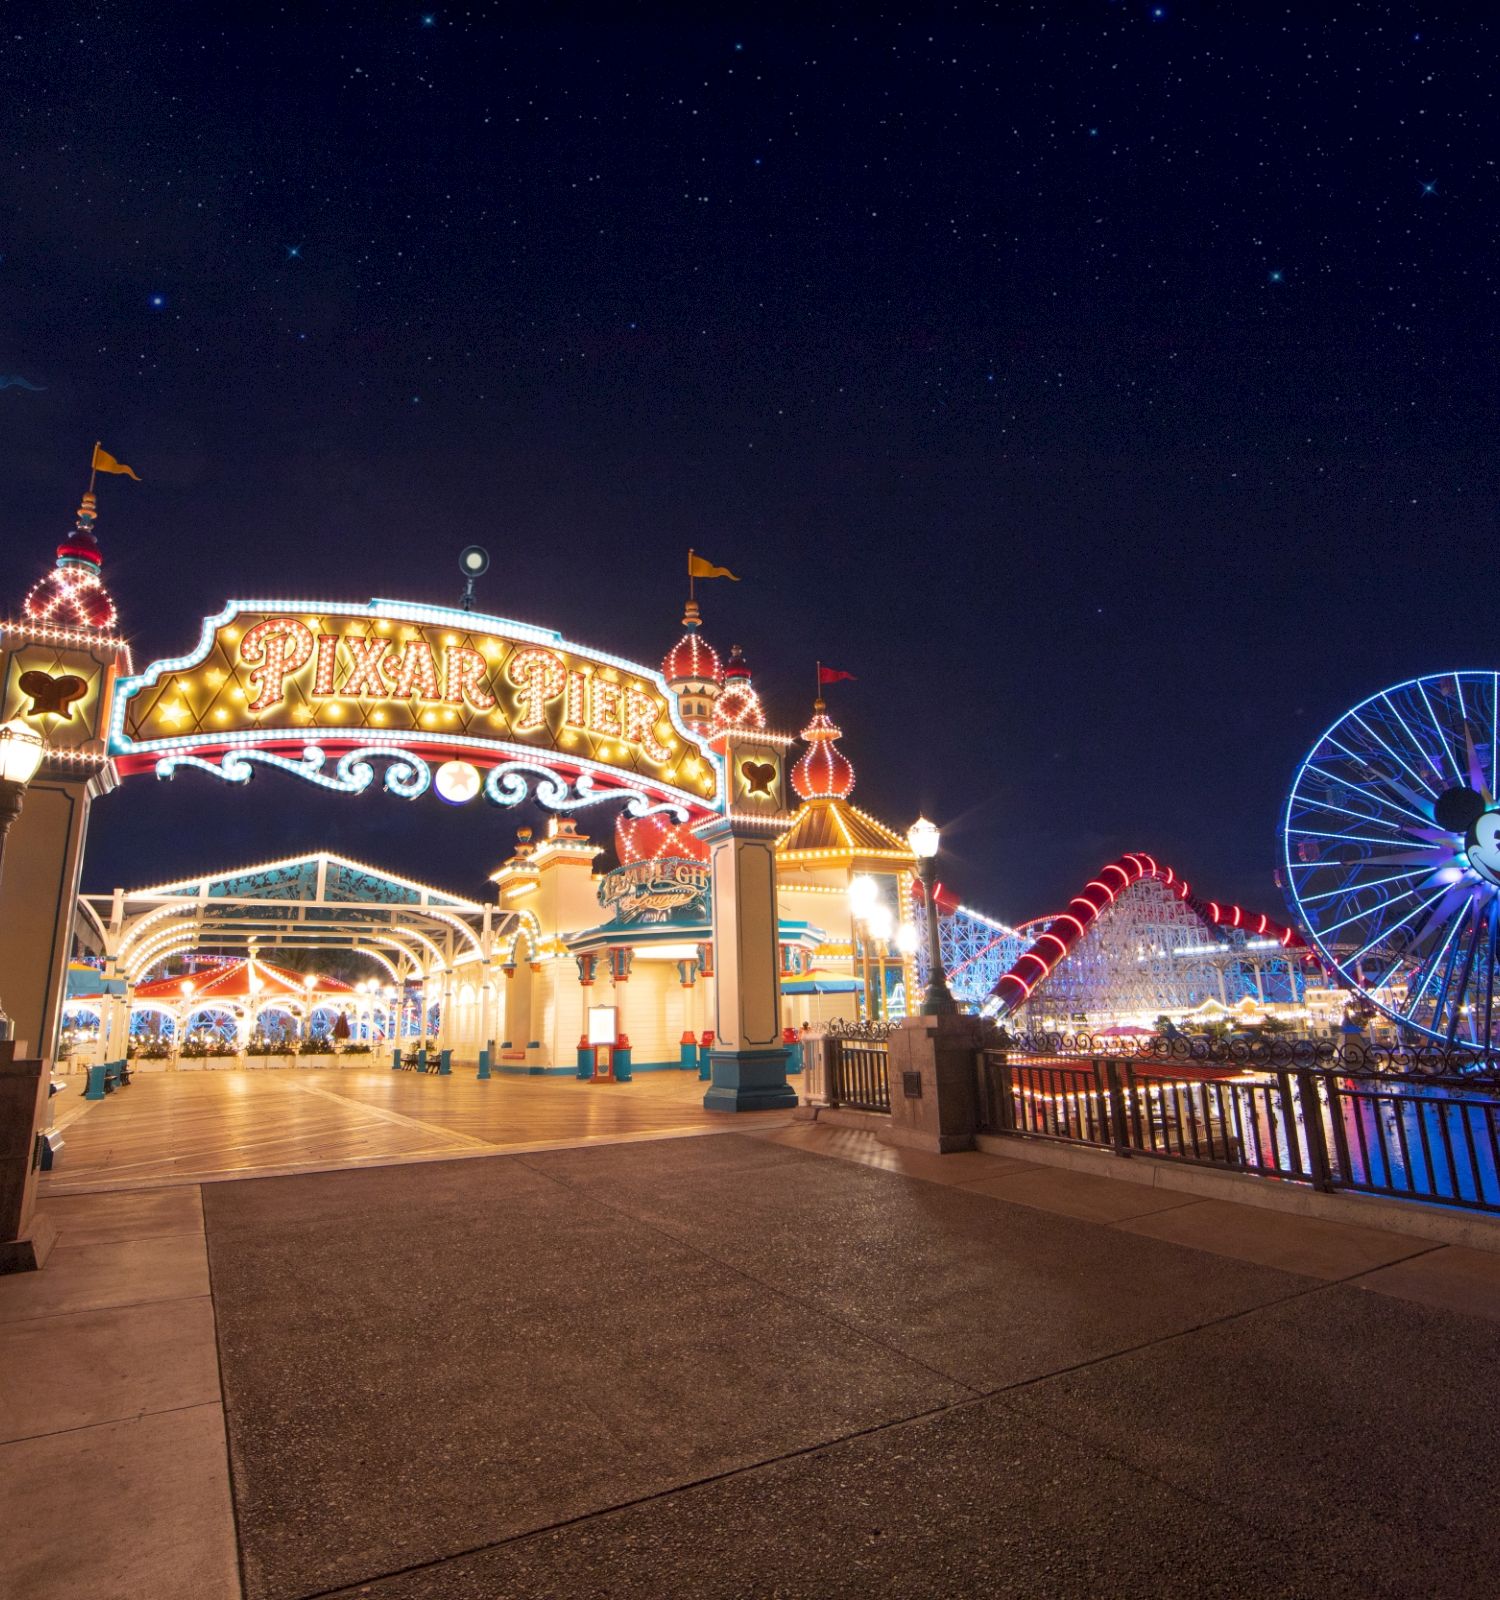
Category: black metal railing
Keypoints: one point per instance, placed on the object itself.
(859, 1076)
(1359, 1057)
(1432, 1135)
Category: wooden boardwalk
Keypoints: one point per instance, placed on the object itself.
(193, 1126)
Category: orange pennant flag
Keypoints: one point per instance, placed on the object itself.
(105, 462)
(699, 567)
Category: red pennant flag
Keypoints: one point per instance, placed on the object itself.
(833, 675)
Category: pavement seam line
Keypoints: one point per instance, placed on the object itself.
(109, 1305)
(770, 1288)
(398, 1118)
(114, 1422)
(234, 1499)
(823, 1447)
(647, 1499)
(1315, 1287)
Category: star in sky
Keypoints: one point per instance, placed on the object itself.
(1275, 275)
(158, 302)
(294, 252)
(1429, 187)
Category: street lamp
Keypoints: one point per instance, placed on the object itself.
(924, 838)
(21, 752)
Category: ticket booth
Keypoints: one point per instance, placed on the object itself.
(603, 1023)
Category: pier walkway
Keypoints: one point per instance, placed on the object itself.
(786, 1361)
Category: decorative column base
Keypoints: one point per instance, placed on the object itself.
(25, 1239)
(749, 1080)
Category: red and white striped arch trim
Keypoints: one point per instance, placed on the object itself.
(1114, 880)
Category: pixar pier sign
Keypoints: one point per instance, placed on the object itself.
(336, 692)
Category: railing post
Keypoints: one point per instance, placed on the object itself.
(1312, 1128)
(835, 1060)
(934, 1098)
(1118, 1127)
(1000, 1085)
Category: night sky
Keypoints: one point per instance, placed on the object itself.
(1111, 387)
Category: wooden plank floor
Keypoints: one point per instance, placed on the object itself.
(191, 1126)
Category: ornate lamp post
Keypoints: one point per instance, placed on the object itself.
(924, 838)
(21, 752)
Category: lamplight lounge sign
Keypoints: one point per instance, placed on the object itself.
(670, 890)
(290, 684)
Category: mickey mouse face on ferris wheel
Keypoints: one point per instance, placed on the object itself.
(1466, 811)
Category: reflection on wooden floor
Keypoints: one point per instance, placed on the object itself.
(194, 1125)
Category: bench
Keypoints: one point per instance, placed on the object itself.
(105, 1079)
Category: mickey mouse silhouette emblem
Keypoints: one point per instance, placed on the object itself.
(52, 696)
(1466, 811)
(758, 776)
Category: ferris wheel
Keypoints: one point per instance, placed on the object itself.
(1392, 853)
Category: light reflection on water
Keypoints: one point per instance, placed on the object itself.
(1405, 1140)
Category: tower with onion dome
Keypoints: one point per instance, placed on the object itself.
(738, 708)
(694, 673)
(695, 677)
(72, 594)
(831, 854)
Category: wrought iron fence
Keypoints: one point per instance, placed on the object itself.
(859, 1071)
(1432, 1136)
(1359, 1059)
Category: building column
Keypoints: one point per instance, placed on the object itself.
(486, 1009)
(38, 894)
(621, 958)
(588, 967)
(687, 976)
(445, 1011)
(748, 1060)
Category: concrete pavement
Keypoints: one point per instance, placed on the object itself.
(729, 1365)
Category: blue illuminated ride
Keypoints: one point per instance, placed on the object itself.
(1392, 853)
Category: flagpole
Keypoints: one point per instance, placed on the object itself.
(692, 593)
(818, 690)
(93, 465)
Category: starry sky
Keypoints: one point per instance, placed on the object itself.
(1111, 387)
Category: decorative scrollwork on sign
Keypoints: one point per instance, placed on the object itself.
(513, 782)
(640, 806)
(406, 775)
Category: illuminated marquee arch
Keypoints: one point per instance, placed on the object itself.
(326, 690)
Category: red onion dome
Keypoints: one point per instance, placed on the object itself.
(824, 772)
(738, 706)
(70, 599)
(654, 838)
(692, 659)
(80, 549)
(72, 595)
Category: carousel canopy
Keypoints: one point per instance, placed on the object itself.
(240, 980)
